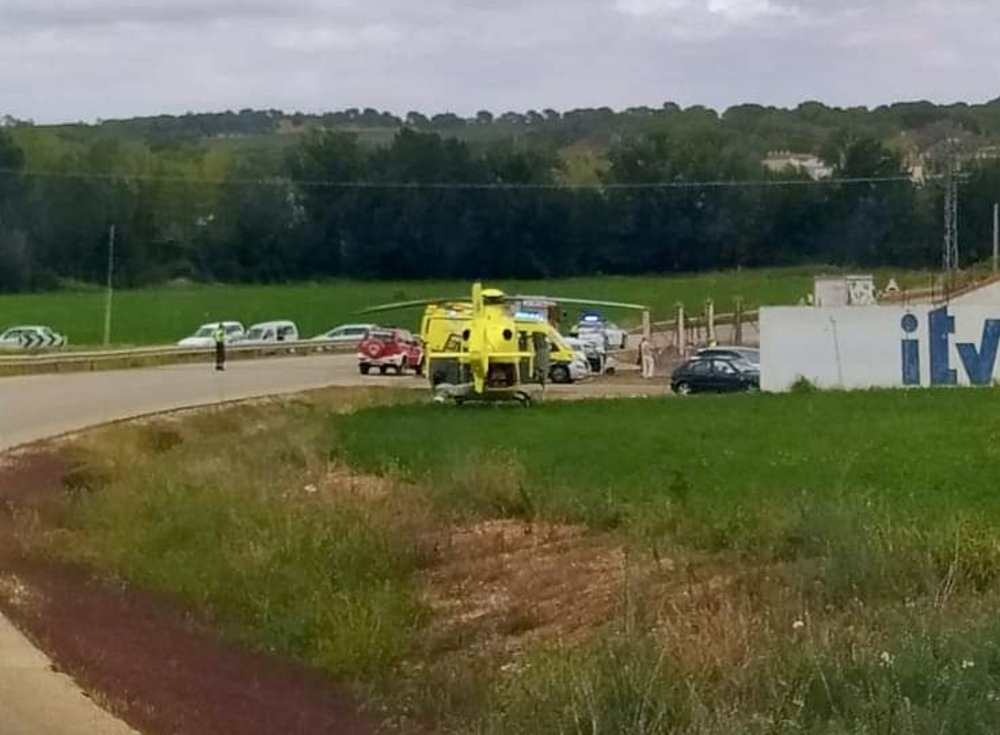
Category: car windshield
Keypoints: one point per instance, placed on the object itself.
(255, 333)
(204, 332)
(381, 334)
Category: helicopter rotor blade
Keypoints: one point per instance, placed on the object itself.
(591, 302)
(407, 304)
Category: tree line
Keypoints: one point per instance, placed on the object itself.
(912, 124)
(426, 205)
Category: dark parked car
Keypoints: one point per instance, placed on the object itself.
(714, 375)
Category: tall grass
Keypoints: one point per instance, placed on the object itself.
(232, 514)
(916, 681)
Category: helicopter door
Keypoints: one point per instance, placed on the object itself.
(541, 344)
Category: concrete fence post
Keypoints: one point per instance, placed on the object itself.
(710, 320)
(738, 321)
(681, 335)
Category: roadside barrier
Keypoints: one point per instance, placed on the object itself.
(54, 361)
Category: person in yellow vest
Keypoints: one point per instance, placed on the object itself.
(219, 335)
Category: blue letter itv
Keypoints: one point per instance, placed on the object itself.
(978, 361)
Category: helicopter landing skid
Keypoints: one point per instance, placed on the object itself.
(464, 393)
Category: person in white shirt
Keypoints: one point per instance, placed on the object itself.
(646, 358)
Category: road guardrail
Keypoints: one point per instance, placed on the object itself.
(72, 361)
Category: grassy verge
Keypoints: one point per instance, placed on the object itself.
(164, 315)
(800, 563)
(233, 512)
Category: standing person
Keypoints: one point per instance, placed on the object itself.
(220, 347)
(646, 357)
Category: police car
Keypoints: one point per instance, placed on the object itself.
(592, 323)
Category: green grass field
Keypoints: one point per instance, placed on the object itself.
(164, 315)
(737, 472)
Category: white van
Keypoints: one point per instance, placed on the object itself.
(279, 330)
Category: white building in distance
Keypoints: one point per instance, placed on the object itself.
(778, 161)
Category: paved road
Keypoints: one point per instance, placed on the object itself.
(34, 700)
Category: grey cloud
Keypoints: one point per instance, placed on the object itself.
(84, 59)
(70, 13)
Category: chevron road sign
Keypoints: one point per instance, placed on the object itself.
(38, 340)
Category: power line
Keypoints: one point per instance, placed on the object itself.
(487, 185)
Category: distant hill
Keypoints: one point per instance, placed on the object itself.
(910, 127)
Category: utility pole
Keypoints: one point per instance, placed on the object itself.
(996, 236)
(950, 220)
(111, 270)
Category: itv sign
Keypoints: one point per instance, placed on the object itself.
(880, 346)
(977, 360)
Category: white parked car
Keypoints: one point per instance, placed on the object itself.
(593, 324)
(345, 334)
(279, 330)
(203, 336)
(29, 336)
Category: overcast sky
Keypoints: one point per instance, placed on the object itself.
(65, 60)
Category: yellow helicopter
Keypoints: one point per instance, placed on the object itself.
(486, 348)
(489, 360)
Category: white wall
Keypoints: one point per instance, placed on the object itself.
(861, 347)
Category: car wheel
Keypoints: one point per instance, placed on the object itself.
(400, 367)
(364, 369)
(383, 369)
(560, 374)
(683, 388)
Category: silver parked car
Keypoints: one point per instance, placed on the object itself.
(345, 334)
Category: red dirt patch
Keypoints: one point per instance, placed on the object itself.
(140, 655)
(500, 585)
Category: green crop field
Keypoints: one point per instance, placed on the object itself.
(164, 315)
(739, 471)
